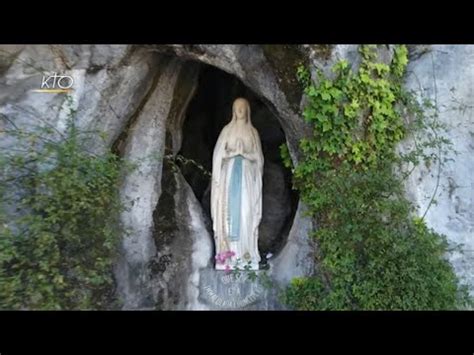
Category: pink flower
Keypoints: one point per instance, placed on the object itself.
(222, 257)
(227, 269)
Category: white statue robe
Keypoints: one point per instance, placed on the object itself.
(245, 247)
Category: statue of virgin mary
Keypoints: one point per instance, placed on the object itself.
(236, 191)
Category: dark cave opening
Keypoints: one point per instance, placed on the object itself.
(208, 112)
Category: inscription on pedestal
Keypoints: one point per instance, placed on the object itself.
(231, 291)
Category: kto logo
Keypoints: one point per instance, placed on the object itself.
(56, 84)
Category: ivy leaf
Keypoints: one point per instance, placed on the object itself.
(327, 126)
(365, 78)
(325, 96)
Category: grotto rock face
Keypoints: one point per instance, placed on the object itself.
(143, 98)
(139, 96)
(444, 74)
(110, 83)
(142, 188)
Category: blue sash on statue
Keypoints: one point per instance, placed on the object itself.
(235, 199)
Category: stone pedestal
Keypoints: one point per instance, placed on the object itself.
(231, 290)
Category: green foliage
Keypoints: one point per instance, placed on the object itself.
(59, 224)
(372, 253)
(353, 115)
(285, 155)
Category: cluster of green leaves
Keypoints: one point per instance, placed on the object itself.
(59, 223)
(353, 114)
(371, 252)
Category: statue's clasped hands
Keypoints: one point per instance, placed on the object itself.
(238, 150)
(240, 147)
(234, 151)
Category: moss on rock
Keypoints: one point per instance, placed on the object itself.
(164, 216)
(322, 51)
(285, 60)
